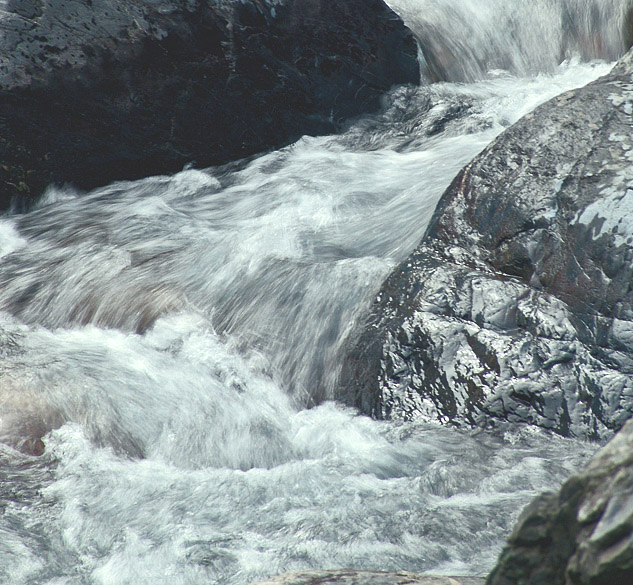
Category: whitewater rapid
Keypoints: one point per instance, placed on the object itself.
(166, 335)
(175, 343)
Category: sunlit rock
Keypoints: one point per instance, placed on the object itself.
(517, 306)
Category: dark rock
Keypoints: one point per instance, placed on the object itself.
(518, 304)
(585, 532)
(97, 90)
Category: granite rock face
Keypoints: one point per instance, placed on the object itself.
(518, 304)
(584, 534)
(97, 90)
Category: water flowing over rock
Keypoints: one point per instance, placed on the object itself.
(462, 40)
(349, 577)
(517, 306)
(581, 535)
(95, 90)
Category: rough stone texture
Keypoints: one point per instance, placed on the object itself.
(97, 90)
(518, 304)
(584, 534)
(350, 577)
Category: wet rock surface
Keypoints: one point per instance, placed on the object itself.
(517, 306)
(582, 535)
(350, 577)
(95, 90)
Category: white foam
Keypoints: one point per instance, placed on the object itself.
(175, 328)
(10, 239)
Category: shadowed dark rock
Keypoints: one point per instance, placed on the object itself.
(96, 90)
(518, 304)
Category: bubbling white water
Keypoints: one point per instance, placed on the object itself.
(234, 484)
(163, 337)
(282, 254)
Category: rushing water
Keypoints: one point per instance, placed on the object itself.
(462, 40)
(165, 337)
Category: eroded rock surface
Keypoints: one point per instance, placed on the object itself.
(518, 304)
(584, 534)
(97, 90)
(350, 577)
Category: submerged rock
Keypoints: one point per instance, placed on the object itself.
(584, 534)
(350, 577)
(97, 90)
(518, 305)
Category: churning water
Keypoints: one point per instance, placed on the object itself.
(461, 40)
(166, 336)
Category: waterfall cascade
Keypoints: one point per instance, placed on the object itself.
(463, 40)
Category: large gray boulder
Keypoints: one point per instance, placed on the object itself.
(518, 304)
(97, 90)
(583, 535)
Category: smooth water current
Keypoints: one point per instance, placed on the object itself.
(166, 337)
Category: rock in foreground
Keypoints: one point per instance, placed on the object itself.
(518, 305)
(97, 90)
(349, 577)
(584, 534)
